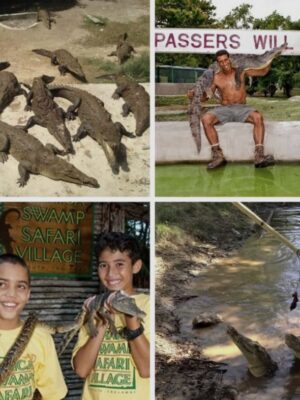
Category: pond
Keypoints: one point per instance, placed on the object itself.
(235, 179)
(252, 291)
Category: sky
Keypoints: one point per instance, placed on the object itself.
(261, 8)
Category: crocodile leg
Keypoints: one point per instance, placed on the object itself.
(118, 92)
(4, 147)
(55, 150)
(81, 132)
(123, 131)
(54, 60)
(72, 110)
(126, 110)
(24, 175)
(63, 69)
(31, 122)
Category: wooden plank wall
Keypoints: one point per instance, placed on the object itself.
(59, 300)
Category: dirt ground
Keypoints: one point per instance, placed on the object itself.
(68, 33)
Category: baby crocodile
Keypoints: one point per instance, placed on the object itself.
(136, 100)
(259, 361)
(95, 121)
(96, 311)
(65, 61)
(9, 88)
(36, 158)
(240, 63)
(47, 113)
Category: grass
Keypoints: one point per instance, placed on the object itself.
(136, 67)
(273, 109)
(216, 222)
(108, 34)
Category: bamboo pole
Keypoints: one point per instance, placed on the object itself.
(245, 210)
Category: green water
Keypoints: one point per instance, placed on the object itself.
(234, 179)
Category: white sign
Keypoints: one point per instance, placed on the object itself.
(235, 41)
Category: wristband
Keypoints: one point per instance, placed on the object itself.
(131, 334)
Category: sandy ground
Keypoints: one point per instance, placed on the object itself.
(89, 157)
(68, 33)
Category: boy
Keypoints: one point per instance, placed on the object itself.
(38, 366)
(116, 367)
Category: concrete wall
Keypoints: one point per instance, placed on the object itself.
(172, 89)
(174, 142)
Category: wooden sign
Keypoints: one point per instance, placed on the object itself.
(52, 238)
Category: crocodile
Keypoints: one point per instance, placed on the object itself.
(259, 361)
(96, 122)
(123, 50)
(9, 88)
(44, 16)
(65, 61)
(36, 158)
(47, 113)
(136, 100)
(293, 342)
(241, 63)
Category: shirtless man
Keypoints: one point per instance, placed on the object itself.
(233, 109)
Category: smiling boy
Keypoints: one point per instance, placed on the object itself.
(38, 366)
(116, 367)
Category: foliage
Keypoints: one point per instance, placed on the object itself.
(273, 21)
(137, 31)
(239, 17)
(185, 13)
(136, 67)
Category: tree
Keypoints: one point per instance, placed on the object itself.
(273, 21)
(185, 14)
(239, 17)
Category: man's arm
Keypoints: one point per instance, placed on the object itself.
(258, 72)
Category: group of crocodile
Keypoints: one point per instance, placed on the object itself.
(94, 311)
(96, 122)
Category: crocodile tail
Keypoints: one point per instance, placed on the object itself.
(4, 65)
(194, 119)
(43, 52)
(17, 348)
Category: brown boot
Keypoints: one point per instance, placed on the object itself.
(260, 160)
(218, 158)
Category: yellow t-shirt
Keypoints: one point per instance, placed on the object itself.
(114, 376)
(37, 368)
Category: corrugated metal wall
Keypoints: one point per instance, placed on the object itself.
(59, 300)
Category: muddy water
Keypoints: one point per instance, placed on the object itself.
(252, 291)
